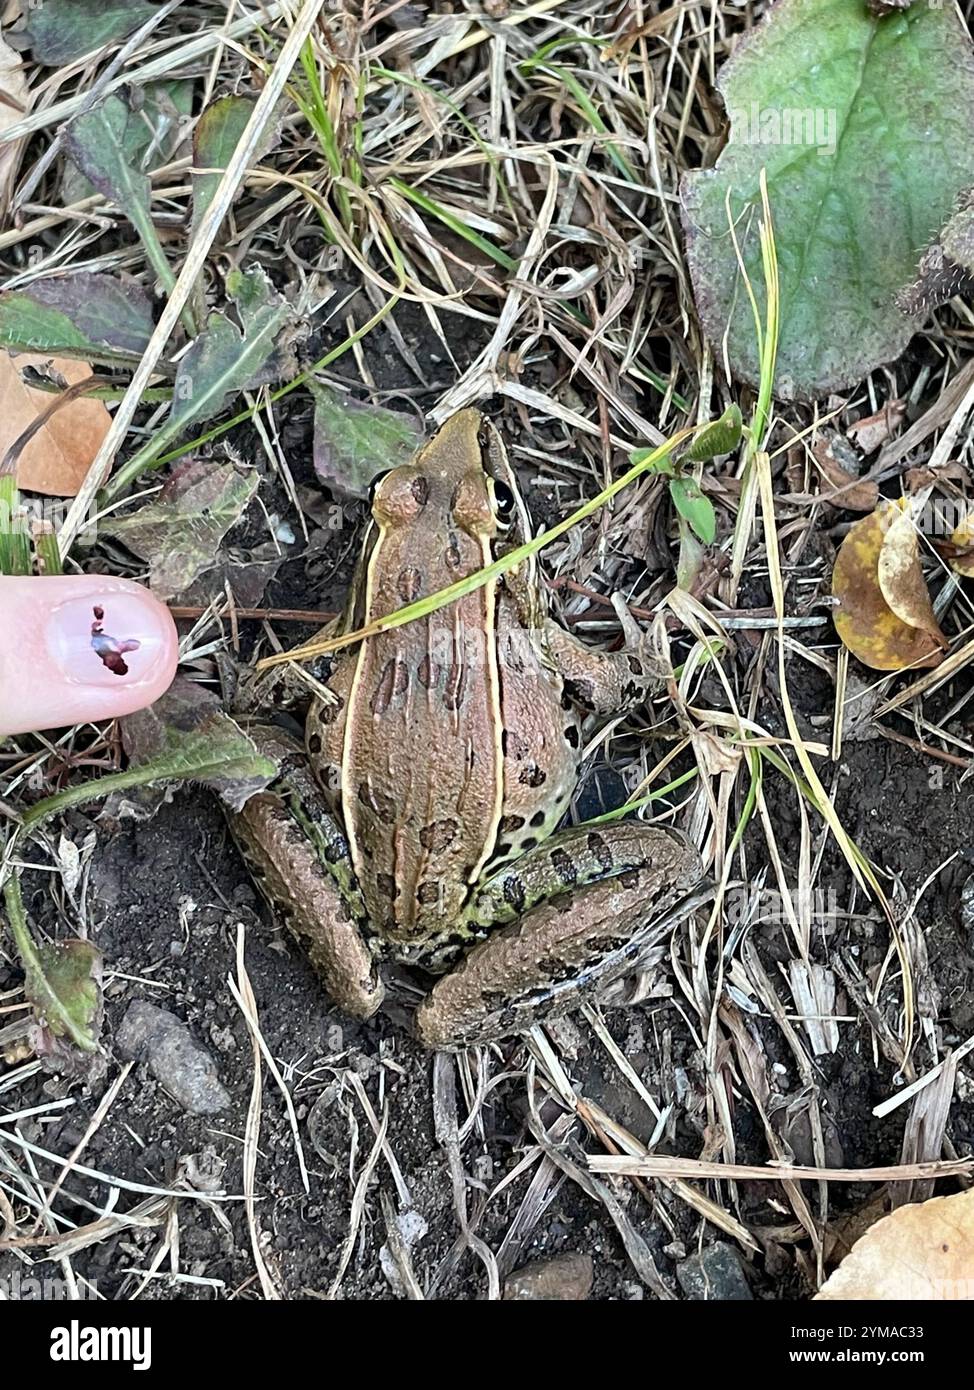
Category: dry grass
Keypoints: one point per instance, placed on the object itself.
(490, 200)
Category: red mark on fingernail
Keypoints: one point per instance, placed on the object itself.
(110, 649)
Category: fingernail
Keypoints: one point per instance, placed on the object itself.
(116, 638)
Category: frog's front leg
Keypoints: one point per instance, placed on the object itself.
(581, 910)
(300, 858)
(606, 682)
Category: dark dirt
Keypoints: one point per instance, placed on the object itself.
(166, 899)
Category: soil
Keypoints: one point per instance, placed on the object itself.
(167, 898)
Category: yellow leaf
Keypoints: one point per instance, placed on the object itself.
(901, 578)
(963, 539)
(864, 620)
(921, 1252)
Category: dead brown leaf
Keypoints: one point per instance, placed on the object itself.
(56, 460)
(901, 576)
(848, 489)
(866, 623)
(869, 433)
(922, 1252)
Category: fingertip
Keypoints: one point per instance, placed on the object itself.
(85, 647)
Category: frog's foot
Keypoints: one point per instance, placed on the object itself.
(568, 947)
(607, 682)
(300, 860)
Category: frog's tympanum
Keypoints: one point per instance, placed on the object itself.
(441, 762)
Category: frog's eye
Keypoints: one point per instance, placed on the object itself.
(504, 500)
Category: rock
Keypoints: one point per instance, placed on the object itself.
(177, 1061)
(565, 1278)
(715, 1274)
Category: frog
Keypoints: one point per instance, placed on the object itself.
(420, 822)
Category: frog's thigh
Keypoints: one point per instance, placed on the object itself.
(293, 877)
(564, 949)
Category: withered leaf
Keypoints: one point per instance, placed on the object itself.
(922, 1252)
(56, 460)
(864, 620)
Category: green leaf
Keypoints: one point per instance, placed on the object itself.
(184, 736)
(719, 437)
(215, 138)
(98, 318)
(60, 31)
(179, 531)
(224, 359)
(99, 141)
(63, 985)
(878, 114)
(696, 509)
(354, 443)
(149, 140)
(187, 735)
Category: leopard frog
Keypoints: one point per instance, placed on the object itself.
(422, 826)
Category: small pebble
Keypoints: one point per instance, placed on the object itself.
(566, 1278)
(714, 1275)
(177, 1061)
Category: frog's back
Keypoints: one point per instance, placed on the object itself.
(421, 768)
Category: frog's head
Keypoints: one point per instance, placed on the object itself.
(460, 480)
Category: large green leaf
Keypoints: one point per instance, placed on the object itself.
(179, 531)
(215, 138)
(101, 144)
(61, 30)
(879, 114)
(354, 443)
(224, 359)
(95, 317)
(149, 140)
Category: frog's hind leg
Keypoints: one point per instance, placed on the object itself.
(614, 903)
(300, 859)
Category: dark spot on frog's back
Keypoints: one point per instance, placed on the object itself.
(428, 673)
(428, 893)
(409, 584)
(420, 489)
(327, 714)
(532, 776)
(451, 556)
(386, 885)
(509, 824)
(438, 835)
(314, 743)
(377, 802)
(392, 682)
(581, 689)
(514, 893)
(600, 850)
(564, 867)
